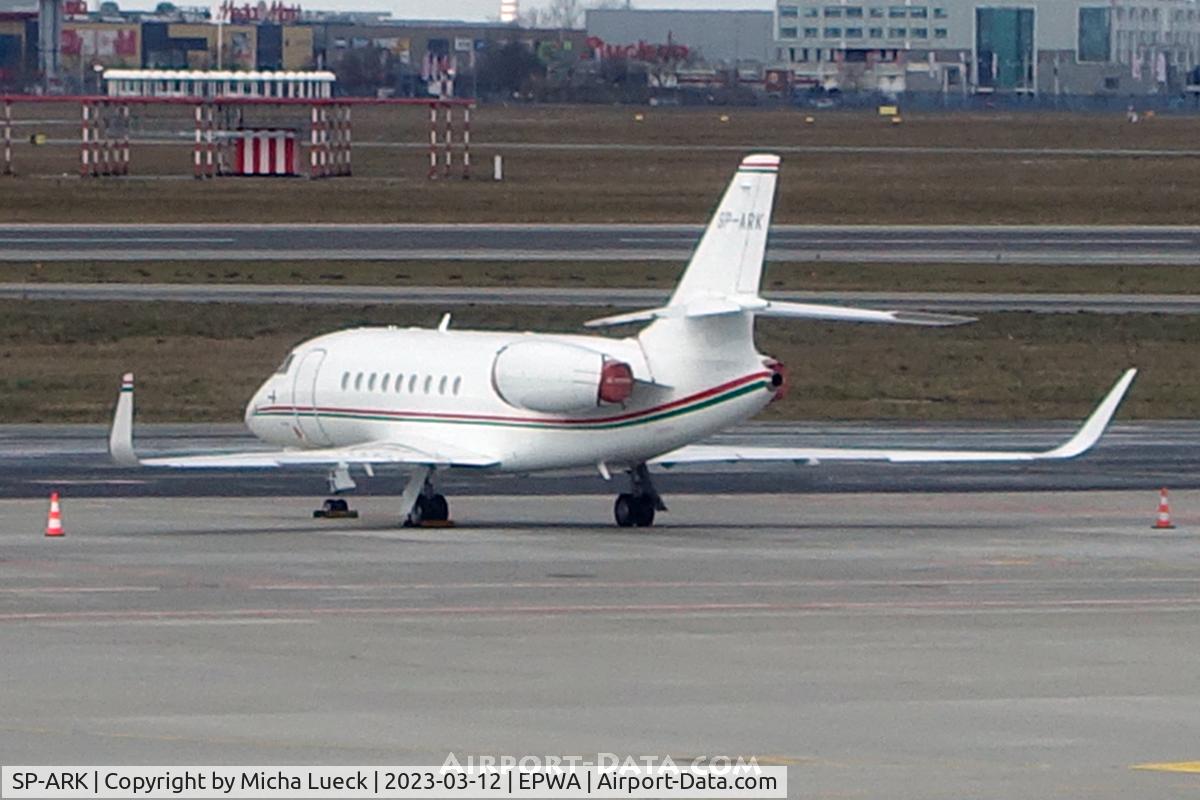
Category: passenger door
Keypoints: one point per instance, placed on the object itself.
(305, 411)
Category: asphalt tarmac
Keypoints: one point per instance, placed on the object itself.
(880, 645)
(889, 244)
(1144, 456)
(977, 302)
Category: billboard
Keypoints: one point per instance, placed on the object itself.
(110, 44)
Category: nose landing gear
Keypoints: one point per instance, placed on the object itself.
(637, 507)
(335, 507)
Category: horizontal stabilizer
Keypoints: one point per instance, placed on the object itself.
(848, 314)
(715, 306)
(1083, 440)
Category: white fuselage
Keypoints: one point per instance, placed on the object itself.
(390, 384)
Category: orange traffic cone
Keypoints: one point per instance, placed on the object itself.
(54, 525)
(1163, 521)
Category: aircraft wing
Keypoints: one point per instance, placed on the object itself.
(370, 453)
(1083, 440)
(414, 451)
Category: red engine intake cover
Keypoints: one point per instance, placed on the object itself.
(779, 377)
(616, 382)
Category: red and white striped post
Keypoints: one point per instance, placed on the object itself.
(225, 141)
(349, 136)
(326, 146)
(95, 139)
(433, 139)
(125, 139)
(8, 162)
(198, 147)
(312, 144)
(85, 132)
(104, 166)
(449, 111)
(210, 146)
(466, 140)
(335, 139)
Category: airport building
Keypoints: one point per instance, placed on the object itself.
(1118, 48)
(711, 37)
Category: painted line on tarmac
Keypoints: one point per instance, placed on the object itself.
(1170, 766)
(944, 241)
(889, 607)
(77, 589)
(88, 482)
(584, 584)
(123, 239)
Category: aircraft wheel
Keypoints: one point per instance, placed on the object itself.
(643, 515)
(624, 510)
(437, 509)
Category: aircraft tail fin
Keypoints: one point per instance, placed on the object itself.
(729, 259)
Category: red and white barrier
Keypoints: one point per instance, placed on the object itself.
(270, 152)
(104, 139)
(106, 126)
(8, 126)
(443, 140)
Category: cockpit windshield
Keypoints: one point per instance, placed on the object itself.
(287, 362)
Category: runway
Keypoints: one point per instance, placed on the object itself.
(904, 646)
(878, 244)
(615, 298)
(35, 459)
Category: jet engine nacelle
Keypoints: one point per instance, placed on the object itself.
(554, 377)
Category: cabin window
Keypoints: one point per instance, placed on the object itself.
(428, 383)
(457, 385)
(345, 381)
(412, 384)
(371, 383)
(383, 383)
(442, 385)
(358, 382)
(399, 382)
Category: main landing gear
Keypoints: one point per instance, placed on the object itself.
(425, 507)
(335, 507)
(637, 507)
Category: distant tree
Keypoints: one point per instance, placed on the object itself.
(530, 18)
(564, 14)
(508, 69)
(163, 9)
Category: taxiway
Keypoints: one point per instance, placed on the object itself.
(880, 645)
(325, 294)
(1063, 245)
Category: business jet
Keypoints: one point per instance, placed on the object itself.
(428, 400)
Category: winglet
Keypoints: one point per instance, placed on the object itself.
(120, 438)
(1089, 433)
